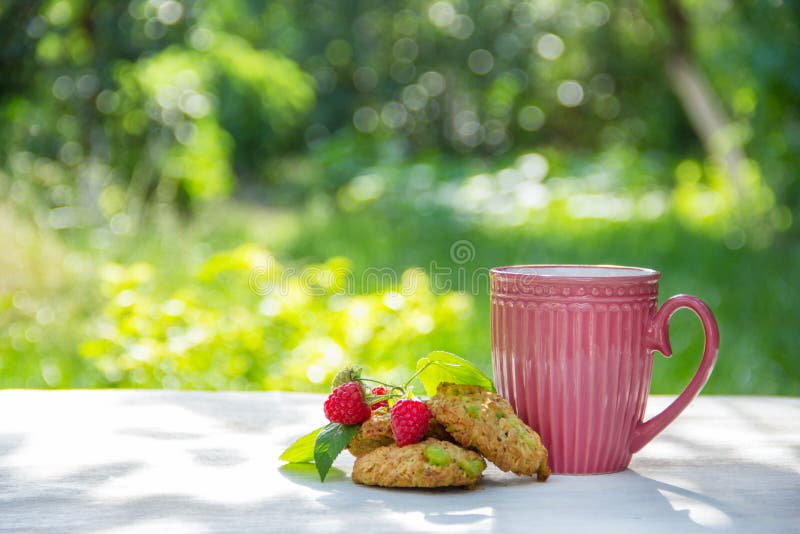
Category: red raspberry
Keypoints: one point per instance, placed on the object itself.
(380, 390)
(409, 421)
(346, 405)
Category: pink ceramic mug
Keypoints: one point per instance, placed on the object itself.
(572, 350)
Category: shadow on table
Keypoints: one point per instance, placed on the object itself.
(618, 502)
(414, 509)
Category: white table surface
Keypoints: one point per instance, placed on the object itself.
(159, 461)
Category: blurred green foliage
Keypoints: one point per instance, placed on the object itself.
(160, 157)
(217, 331)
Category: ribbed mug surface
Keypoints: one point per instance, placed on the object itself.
(570, 351)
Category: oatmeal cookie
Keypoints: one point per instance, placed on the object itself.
(485, 421)
(431, 463)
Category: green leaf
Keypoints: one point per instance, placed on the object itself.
(332, 439)
(440, 366)
(302, 450)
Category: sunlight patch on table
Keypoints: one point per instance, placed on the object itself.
(478, 520)
(115, 433)
(173, 526)
(146, 449)
(702, 513)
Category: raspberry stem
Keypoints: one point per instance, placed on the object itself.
(365, 379)
(416, 374)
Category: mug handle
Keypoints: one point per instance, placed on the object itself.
(658, 339)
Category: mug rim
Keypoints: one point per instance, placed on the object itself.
(641, 273)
